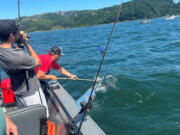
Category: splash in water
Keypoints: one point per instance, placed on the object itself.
(111, 81)
(104, 82)
(100, 85)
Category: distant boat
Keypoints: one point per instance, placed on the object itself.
(170, 17)
(146, 21)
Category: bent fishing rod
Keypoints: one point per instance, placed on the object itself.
(100, 66)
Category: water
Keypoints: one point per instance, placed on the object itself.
(145, 60)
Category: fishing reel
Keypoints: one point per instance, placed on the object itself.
(72, 124)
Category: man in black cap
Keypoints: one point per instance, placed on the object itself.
(49, 61)
(19, 65)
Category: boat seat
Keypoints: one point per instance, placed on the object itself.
(28, 119)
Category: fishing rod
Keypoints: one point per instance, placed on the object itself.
(100, 66)
(20, 42)
(19, 17)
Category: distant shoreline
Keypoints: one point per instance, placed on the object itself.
(95, 25)
(131, 11)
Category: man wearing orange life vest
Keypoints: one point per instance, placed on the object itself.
(49, 61)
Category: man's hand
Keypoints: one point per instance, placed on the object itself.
(10, 127)
(74, 77)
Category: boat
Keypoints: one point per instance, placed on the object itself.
(170, 17)
(146, 21)
(64, 115)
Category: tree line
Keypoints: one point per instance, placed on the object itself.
(133, 10)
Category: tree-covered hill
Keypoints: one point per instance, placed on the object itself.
(136, 9)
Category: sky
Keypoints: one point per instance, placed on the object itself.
(9, 8)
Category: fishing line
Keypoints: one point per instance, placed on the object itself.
(89, 100)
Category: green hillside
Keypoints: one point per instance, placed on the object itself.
(136, 9)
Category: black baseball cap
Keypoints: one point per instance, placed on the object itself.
(56, 50)
(8, 26)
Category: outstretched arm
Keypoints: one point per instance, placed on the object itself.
(42, 76)
(65, 72)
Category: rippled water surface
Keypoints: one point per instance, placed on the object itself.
(145, 60)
